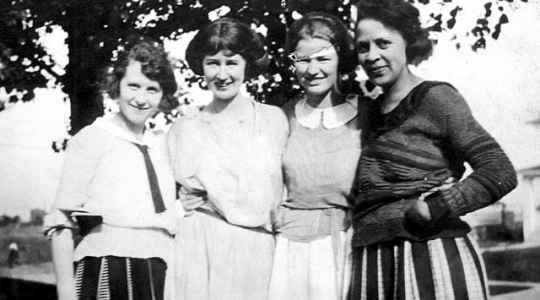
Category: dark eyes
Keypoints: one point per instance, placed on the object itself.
(383, 44)
(217, 63)
(151, 89)
(363, 47)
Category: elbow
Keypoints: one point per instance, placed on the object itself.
(508, 181)
(507, 177)
(511, 176)
(513, 182)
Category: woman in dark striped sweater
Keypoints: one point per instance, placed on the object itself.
(409, 240)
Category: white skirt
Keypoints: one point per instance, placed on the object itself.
(217, 260)
(314, 270)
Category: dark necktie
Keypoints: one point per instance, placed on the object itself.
(152, 179)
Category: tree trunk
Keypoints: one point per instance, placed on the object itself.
(86, 61)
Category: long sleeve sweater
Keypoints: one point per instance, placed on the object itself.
(412, 150)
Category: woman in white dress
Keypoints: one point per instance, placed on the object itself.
(231, 153)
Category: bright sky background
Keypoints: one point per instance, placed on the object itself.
(501, 84)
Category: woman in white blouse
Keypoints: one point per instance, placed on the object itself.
(231, 153)
(116, 171)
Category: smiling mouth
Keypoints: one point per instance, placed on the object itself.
(140, 107)
(222, 85)
(314, 81)
(377, 70)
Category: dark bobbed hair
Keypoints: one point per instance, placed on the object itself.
(327, 27)
(402, 17)
(154, 64)
(230, 35)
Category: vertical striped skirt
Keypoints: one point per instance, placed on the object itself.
(112, 277)
(441, 269)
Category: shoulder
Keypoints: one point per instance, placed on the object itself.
(159, 139)
(90, 142)
(441, 92)
(443, 98)
(273, 113)
(275, 119)
(185, 121)
(90, 136)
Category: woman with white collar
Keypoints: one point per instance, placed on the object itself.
(117, 178)
(319, 165)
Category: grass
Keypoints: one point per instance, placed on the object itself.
(513, 264)
(33, 246)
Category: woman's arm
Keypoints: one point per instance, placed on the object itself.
(189, 200)
(78, 168)
(493, 175)
(62, 250)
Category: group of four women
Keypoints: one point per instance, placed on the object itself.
(331, 197)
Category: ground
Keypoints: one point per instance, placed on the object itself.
(513, 269)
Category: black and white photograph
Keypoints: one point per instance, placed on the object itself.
(270, 149)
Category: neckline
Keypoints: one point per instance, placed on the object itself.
(402, 102)
(111, 127)
(380, 123)
(330, 117)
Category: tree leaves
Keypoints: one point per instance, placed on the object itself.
(96, 27)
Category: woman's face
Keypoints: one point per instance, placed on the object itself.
(381, 52)
(224, 73)
(316, 65)
(139, 96)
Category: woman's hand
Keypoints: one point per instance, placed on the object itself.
(418, 213)
(418, 219)
(191, 200)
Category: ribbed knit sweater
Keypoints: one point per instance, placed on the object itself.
(413, 149)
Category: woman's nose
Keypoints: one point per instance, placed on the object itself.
(140, 97)
(312, 67)
(222, 73)
(372, 54)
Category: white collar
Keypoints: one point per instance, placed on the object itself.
(331, 117)
(108, 125)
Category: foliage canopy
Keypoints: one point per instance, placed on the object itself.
(95, 28)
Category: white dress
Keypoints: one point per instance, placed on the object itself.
(225, 249)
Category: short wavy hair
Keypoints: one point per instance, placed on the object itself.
(402, 17)
(330, 28)
(154, 64)
(230, 35)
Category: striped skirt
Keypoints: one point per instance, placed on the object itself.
(112, 277)
(441, 269)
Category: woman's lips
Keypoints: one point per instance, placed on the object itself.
(222, 85)
(377, 70)
(314, 81)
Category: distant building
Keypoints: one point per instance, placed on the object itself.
(530, 179)
(36, 216)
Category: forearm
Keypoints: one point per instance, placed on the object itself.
(62, 249)
(466, 140)
(471, 194)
